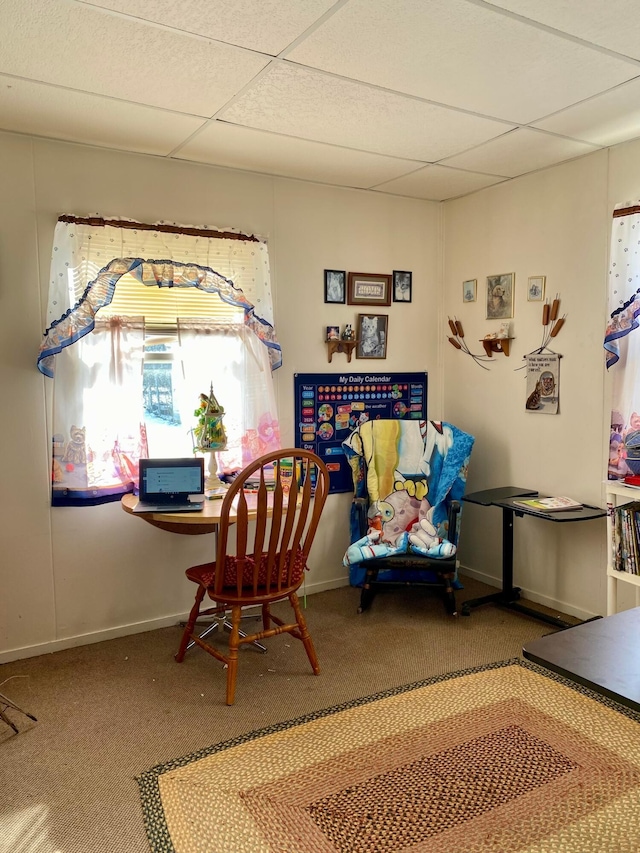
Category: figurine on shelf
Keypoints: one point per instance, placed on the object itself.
(333, 333)
(348, 334)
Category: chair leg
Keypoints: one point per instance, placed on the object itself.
(232, 660)
(266, 617)
(449, 596)
(188, 631)
(367, 595)
(304, 634)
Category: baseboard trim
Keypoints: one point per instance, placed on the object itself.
(133, 628)
(551, 603)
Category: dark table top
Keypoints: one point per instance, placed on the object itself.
(488, 497)
(601, 654)
(505, 496)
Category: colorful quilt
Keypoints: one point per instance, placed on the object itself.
(408, 472)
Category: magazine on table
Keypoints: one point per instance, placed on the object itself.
(548, 504)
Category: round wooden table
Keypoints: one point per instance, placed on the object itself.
(190, 523)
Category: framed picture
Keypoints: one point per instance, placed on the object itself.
(469, 290)
(372, 334)
(368, 289)
(535, 289)
(402, 286)
(500, 296)
(335, 285)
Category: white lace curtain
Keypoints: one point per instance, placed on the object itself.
(622, 341)
(234, 359)
(98, 420)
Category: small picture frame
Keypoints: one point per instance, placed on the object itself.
(335, 288)
(372, 335)
(500, 296)
(535, 288)
(470, 290)
(333, 333)
(368, 289)
(402, 282)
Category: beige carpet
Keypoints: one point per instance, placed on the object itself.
(108, 712)
(503, 758)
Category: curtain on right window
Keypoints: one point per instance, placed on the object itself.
(622, 342)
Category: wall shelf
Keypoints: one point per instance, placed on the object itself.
(492, 345)
(340, 346)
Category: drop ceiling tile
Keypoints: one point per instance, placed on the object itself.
(519, 152)
(264, 25)
(299, 102)
(438, 183)
(86, 49)
(257, 151)
(462, 54)
(43, 110)
(613, 24)
(604, 120)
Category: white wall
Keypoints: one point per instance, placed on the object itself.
(76, 575)
(554, 223)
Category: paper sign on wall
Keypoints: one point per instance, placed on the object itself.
(543, 383)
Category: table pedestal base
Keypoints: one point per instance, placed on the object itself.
(5, 703)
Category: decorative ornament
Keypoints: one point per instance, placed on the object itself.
(550, 315)
(209, 437)
(457, 340)
(551, 325)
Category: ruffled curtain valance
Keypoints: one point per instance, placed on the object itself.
(624, 279)
(621, 346)
(88, 260)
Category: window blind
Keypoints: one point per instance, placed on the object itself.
(161, 306)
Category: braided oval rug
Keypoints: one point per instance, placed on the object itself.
(506, 757)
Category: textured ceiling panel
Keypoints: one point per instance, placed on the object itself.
(257, 151)
(83, 48)
(613, 24)
(458, 53)
(603, 120)
(437, 183)
(310, 105)
(361, 93)
(264, 25)
(42, 110)
(519, 152)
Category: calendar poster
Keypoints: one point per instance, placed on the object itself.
(328, 406)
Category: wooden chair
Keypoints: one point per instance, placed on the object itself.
(269, 517)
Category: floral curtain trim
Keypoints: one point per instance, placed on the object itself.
(624, 280)
(80, 319)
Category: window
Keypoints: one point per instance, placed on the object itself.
(135, 340)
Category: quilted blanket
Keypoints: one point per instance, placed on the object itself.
(408, 472)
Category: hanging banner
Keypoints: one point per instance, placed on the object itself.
(328, 406)
(543, 383)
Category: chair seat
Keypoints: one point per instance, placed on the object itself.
(205, 573)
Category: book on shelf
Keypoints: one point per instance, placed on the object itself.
(548, 504)
(625, 531)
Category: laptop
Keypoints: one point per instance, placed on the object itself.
(171, 485)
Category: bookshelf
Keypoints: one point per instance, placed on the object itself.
(617, 496)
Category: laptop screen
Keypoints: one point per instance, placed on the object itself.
(171, 479)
